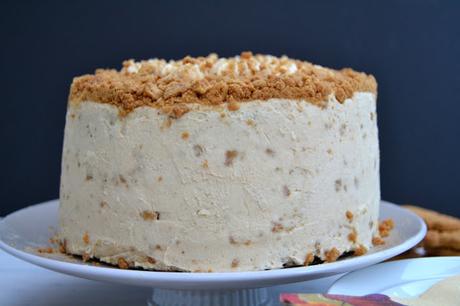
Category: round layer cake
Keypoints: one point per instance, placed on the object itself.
(220, 164)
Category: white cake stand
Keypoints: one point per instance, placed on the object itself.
(23, 231)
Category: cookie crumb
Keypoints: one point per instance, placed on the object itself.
(353, 235)
(47, 250)
(377, 241)
(385, 227)
(233, 106)
(246, 54)
(151, 260)
(360, 250)
(63, 246)
(178, 111)
(349, 216)
(270, 152)
(332, 255)
(277, 227)
(122, 263)
(235, 263)
(250, 122)
(229, 157)
(148, 215)
(309, 258)
(85, 256)
(86, 238)
(185, 135)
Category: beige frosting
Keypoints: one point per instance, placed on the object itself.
(217, 190)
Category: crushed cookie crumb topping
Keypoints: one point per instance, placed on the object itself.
(171, 85)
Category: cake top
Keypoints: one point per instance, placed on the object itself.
(172, 85)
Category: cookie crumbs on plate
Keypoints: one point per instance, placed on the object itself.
(360, 250)
(385, 227)
(331, 255)
(47, 250)
(377, 241)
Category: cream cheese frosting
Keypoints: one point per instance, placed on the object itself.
(269, 184)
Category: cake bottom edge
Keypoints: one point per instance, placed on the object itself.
(138, 260)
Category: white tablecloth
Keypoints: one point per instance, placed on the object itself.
(23, 284)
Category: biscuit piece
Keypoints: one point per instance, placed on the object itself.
(436, 239)
(435, 220)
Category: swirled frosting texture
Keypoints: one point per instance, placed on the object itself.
(271, 183)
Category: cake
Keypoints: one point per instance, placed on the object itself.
(220, 164)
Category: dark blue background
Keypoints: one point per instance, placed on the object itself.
(412, 47)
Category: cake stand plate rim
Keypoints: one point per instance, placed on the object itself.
(410, 230)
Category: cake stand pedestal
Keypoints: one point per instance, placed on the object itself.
(253, 297)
